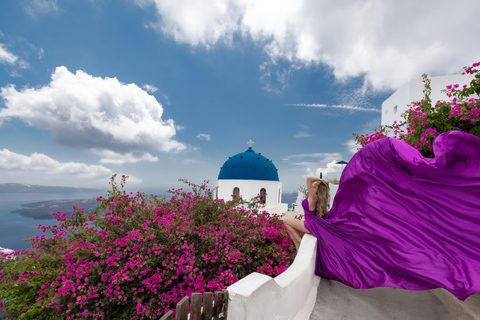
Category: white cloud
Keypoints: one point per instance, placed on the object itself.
(354, 108)
(167, 99)
(204, 136)
(150, 88)
(98, 114)
(6, 57)
(351, 146)
(303, 133)
(314, 163)
(275, 78)
(196, 22)
(120, 159)
(388, 42)
(34, 7)
(41, 54)
(13, 163)
(323, 157)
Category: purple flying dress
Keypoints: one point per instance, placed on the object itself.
(401, 220)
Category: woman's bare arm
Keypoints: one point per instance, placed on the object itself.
(312, 185)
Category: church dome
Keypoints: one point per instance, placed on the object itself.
(248, 165)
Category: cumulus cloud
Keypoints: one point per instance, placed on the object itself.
(204, 136)
(94, 113)
(387, 42)
(14, 163)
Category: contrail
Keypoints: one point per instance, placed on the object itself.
(334, 106)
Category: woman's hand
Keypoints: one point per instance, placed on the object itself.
(317, 182)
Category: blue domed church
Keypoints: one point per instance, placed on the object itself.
(249, 174)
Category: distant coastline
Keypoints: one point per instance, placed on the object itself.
(42, 210)
(29, 188)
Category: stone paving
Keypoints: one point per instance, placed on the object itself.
(336, 301)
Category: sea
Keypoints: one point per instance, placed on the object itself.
(16, 228)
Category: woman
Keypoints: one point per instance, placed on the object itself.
(316, 203)
(399, 219)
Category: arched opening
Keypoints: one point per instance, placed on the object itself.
(263, 196)
(236, 192)
(279, 196)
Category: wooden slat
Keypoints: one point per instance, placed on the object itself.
(212, 309)
(218, 305)
(225, 304)
(207, 305)
(196, 306)
(182, 309)
(167, 316)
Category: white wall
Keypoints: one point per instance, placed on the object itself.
(289, 296)
(412, 91)
(250, 189)
(5, 250)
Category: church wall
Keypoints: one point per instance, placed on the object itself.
(250, 189)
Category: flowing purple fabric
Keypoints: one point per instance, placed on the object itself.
(405, 221)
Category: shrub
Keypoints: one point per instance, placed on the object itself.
(136, 256)
(424, 121)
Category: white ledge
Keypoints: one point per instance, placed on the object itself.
(291, 295)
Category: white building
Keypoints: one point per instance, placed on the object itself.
(5, 250)
(249, 174)
(397, 103)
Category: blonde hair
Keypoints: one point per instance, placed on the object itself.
(323, 199)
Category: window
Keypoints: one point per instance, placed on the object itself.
(263, 196)
(236, 192)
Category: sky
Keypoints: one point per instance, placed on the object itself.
(162, 90)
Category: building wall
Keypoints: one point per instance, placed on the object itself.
(250, 189)
(397, 103)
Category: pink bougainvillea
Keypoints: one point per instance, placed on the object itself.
(136, 256)
(424, 121)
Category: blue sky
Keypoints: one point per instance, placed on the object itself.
(162, 90)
